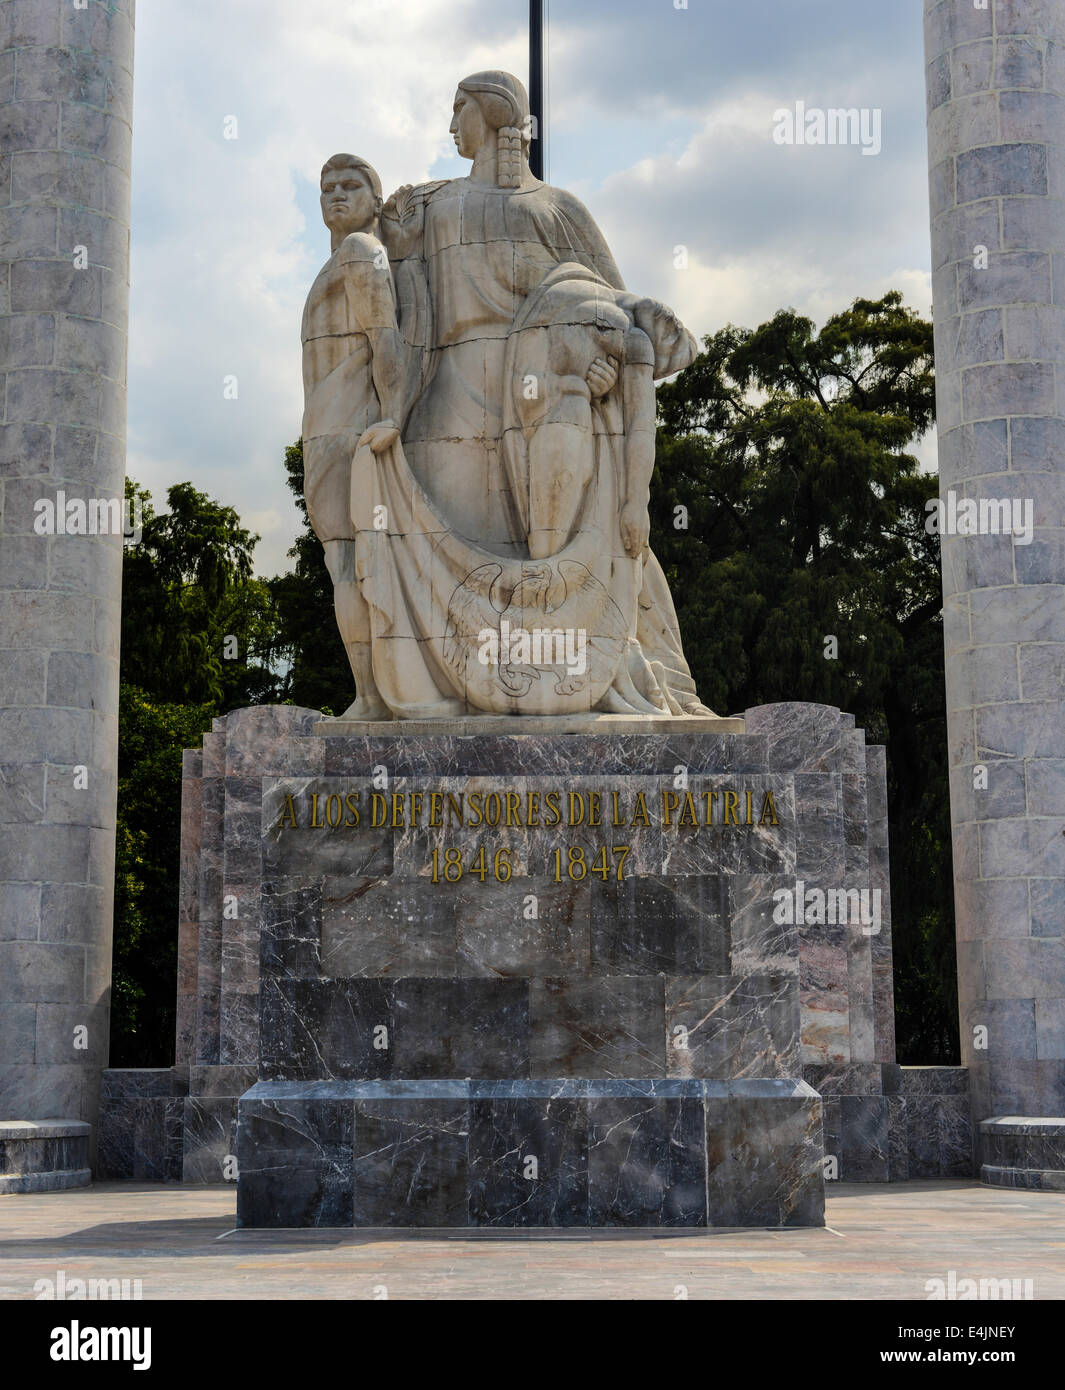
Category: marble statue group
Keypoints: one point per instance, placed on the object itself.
(479, 441)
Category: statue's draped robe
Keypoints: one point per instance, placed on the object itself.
(505, 303)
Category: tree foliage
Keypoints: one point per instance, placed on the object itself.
(144, 968)
(318, 674)
(198, 634)
(197, 626)
(789, 515)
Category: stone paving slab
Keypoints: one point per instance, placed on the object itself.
(880, 1243)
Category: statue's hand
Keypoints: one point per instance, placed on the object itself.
(379, 436)
(402, 223)
(602, 376)
(635, 528)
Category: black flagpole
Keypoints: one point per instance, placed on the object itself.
(536, 85)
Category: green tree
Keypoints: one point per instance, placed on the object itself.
(319, 676)
(197, 626)
(144, 971)
(789, 516)
(198, 638)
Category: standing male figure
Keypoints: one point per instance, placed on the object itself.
(354, 361)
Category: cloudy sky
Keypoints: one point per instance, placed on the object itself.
(660, 118)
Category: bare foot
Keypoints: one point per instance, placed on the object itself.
(366, 707)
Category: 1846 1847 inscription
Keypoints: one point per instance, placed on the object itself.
(669, 809)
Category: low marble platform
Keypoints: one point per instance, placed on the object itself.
(43, 1155)
(886, 1123)
(141, 1124)
(529, 724)
(530, 1153)
(170, 1124)
(1023, 1151)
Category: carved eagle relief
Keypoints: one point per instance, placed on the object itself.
(556, 624)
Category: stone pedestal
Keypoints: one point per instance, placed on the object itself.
(605, 955)
(43, 1155)
(531, 986)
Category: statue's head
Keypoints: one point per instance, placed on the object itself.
(351, 195)
(494, 105)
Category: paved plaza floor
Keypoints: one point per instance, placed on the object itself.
(881, 1242)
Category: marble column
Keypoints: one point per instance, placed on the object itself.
(66, 87)
(996, 142)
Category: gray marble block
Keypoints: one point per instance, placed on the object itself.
(141, 1125)
(543, 1153)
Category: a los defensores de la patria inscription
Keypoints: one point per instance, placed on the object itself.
(591, 811)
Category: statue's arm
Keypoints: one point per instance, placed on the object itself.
(638, 405)
(389, 357)
(372, 301)
(657, 345)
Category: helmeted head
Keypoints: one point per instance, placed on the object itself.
(494, 101)
(351, 194)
